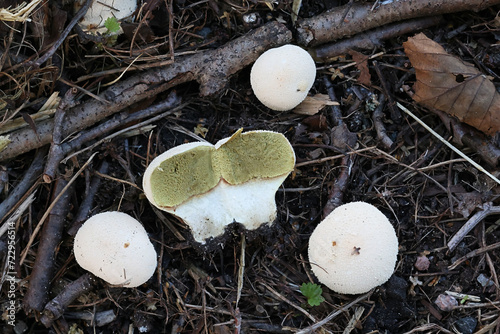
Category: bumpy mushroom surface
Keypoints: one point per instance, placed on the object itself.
(115, 247)
(354, 249)
(282, 77)
(211, 186)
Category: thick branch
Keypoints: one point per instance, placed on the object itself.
(212, 69)
(331, 25)
(43, 270)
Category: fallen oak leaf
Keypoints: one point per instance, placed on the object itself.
(446, 83)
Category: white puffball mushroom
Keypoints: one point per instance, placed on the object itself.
(354, 249)
(115, 247)
(282, 77)
(100, 10)
(211, 186)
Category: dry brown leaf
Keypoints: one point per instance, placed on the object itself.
(446, 83)
(362, 65)
(313, 104)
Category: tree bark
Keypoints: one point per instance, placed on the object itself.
(331, 25)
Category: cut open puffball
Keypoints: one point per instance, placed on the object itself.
(354, 249)
(211, 186)
(100, 10)
(115, 247)
(282, 77)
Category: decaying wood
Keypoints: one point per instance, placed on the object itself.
(373, 38)
(39, 287)
(56, 307)
(56, 153)
(331, 26)
(212, 69)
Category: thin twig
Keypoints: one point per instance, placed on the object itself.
(49, 209)
(62, 36)
(56, 307)
(488, 209)
(29, 178)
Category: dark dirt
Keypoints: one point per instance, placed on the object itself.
(418, 183)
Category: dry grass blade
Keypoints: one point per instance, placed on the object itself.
(444, 141)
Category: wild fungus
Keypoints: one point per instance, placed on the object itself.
(282, 77)
(354, 249)
(115, 247)
(99, 11)
(211, 186)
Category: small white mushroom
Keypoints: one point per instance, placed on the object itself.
(354, 249)
(282, 77)
(211, 186)
(115, 247)
(100, 10)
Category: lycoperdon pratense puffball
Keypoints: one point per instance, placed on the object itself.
(354, 249)
(212, 186)
(115, 247)
(282, 77)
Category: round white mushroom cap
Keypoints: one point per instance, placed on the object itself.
(115, 247)
(354, 249)
(282, 77)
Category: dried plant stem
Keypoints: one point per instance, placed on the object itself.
(51, 206)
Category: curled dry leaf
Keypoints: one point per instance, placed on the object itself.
(446, 83)
(313, 104)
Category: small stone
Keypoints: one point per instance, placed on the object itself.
(422, 263)
(484, 281)
(446, 303)
(466, 325)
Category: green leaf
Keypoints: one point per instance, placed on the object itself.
(313, 293)
(112, 24)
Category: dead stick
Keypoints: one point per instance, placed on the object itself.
(86, 205)
(212, 69)
(119, 120)
(331, 26)
(336, 193)
(62, 36)
(470, 224)
(56, 153)
(56, 307)
(43, 269)
(29, 178)
(474, 253)
(373, 38)
(379, 124)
